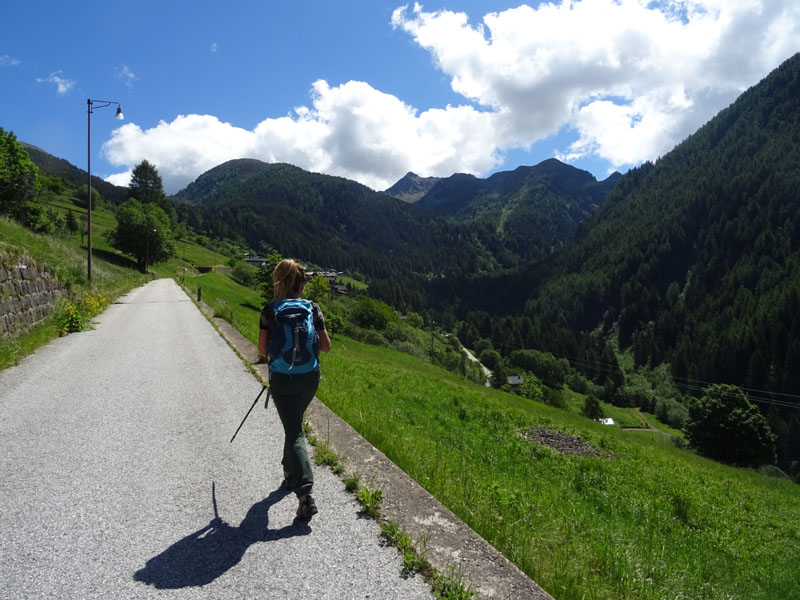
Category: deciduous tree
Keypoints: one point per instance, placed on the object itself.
(264, 276)
(19, 177)
(317, 289)
(143, 231)
(726, 426)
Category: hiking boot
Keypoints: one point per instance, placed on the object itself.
(307, 507)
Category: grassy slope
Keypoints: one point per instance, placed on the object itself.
(236, 303)
(652, 522)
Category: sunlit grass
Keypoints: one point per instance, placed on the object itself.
(239, 305)
(355, 283)
(651, 522)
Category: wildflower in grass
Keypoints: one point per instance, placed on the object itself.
(70, 318)
(75, 317)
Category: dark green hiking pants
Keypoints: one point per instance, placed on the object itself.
(292, 395)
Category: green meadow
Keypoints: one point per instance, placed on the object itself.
(644, 520)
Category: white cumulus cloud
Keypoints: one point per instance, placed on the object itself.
(63, 85)
(351, 130)
(629, 78)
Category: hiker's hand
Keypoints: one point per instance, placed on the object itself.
(261, 359)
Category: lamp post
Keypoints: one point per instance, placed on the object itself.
(92, 104)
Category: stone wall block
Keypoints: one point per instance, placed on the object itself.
(29, 293)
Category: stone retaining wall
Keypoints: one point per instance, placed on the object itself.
(29, 292)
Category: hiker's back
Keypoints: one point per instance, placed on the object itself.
(293, 342)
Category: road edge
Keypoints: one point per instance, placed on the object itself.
(450, 541)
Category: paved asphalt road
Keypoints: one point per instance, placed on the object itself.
(114, 451)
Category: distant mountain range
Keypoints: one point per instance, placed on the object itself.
(461, 225)
(533, 209)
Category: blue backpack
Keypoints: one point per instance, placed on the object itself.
(294, 342)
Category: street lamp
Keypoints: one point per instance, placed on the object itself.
(92, 104)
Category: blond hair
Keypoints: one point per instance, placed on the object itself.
(288, 279)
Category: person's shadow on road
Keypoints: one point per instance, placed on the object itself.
(202, 556)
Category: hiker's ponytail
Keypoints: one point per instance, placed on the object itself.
(288, 279)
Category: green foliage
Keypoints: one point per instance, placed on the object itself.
(552, 371)
(397, 536)
(451, 586)
(372, 314)
(97, 198)
(481, 345)
(244, 273)
(71, 222)
(19, 178)
(591, 408)
(76, 316)
(554, 397)
(532, 387)
(144, 232)
(352, 483)
(414, 320)
(317, 289)
(264, 276)
(146, 186)
(491, 359)
(324, 455)
(370, 499)
(725, 426)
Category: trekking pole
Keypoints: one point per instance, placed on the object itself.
(249, 411)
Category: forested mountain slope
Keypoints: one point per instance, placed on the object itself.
(332, 221)
(343, 224)
(58, 167)
(696, 259)
(533, 209)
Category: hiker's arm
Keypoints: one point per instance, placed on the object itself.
(324, 340)
(263, 341)
(322, 331)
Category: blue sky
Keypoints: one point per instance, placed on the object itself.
(369, 90)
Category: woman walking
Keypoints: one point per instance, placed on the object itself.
(291, 334)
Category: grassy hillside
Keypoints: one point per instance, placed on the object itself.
(642, 520)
